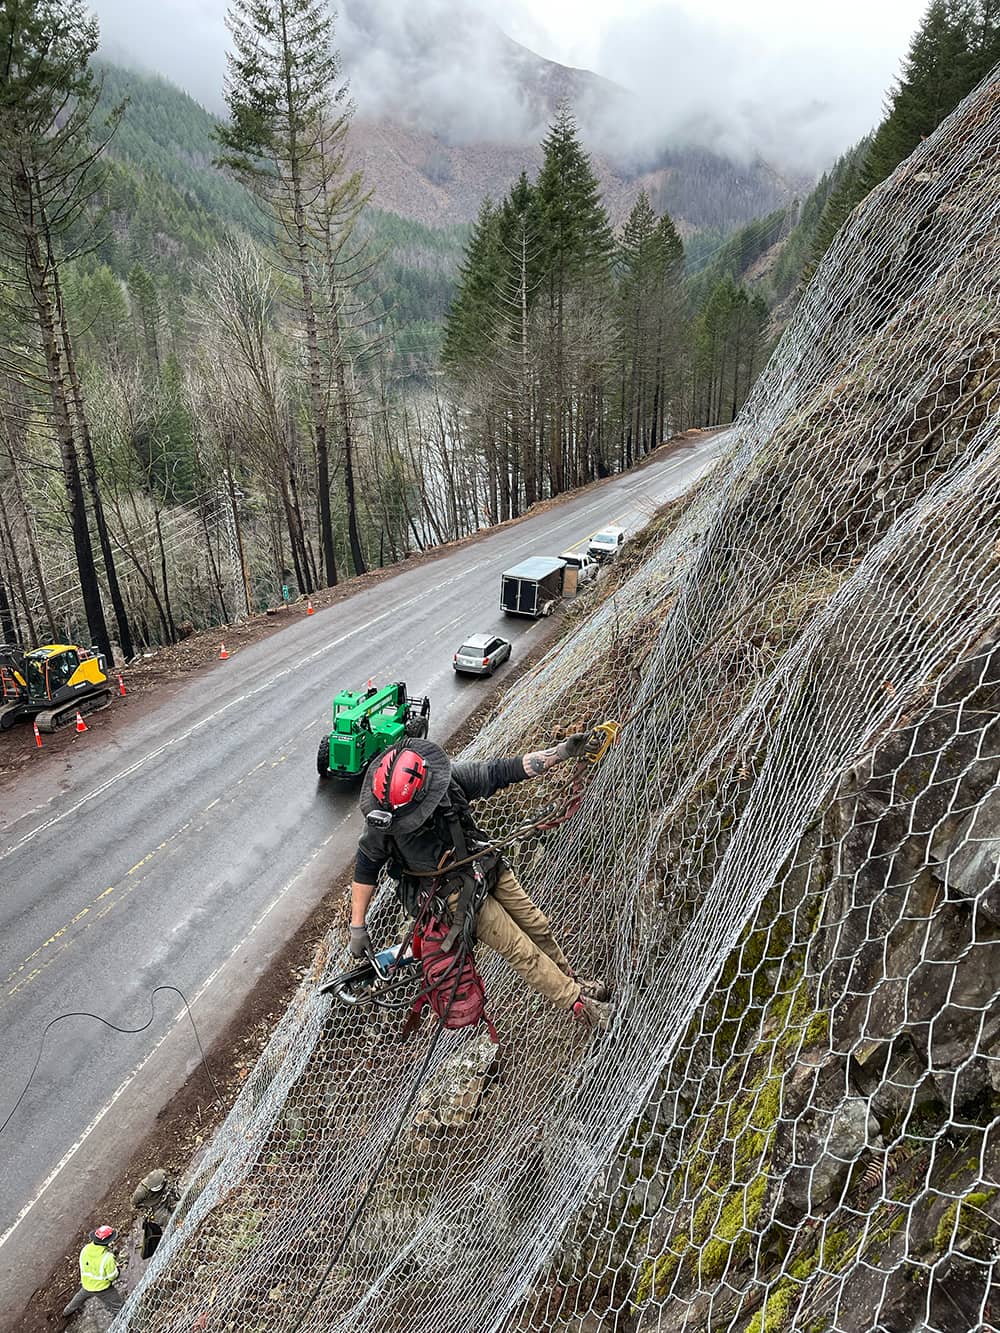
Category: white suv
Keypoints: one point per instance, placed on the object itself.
(606, 544)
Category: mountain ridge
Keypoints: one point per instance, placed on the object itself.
(433, 145)
(450, 109)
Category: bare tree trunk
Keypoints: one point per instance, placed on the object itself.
(9, 628)
(354, 537)
(90, 472)
(316, 397)
(29, 530)
(38, 282)
(213, 564)
(15, 565)
(171, 627)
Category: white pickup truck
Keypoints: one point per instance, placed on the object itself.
(606, 544)
(584, 563)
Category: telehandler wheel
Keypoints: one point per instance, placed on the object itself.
(417, 727)
(323, 758)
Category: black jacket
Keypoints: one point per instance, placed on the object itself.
(423, 848)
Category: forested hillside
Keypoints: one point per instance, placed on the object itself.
(232, 411)
(169, 206)
(956, 45)
(222, 387)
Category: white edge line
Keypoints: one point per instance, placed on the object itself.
(178, 1017)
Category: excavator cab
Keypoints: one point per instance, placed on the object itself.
(13, 686)
(54, 684)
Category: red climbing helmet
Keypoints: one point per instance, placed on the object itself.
(400, 779)
(103, 1235)
(405, 785)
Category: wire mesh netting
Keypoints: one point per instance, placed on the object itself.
(788, 868)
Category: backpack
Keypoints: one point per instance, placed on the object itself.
(453, 988)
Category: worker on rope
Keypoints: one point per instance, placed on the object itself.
(155, 1197)
(98, 1272)
(418, 821)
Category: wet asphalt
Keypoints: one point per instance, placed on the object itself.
(185, 849)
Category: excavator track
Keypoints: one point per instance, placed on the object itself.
(53, 719)
(10, 714)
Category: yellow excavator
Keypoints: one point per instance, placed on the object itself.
(51, 685)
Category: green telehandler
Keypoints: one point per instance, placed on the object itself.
(366, 722)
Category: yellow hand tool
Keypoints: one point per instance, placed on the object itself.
(600, 741)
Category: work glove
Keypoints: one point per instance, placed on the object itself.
(360, 945)
(575, 746)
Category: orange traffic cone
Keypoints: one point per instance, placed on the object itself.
(309, 607)
(222, 652)
(81, 726)
(38, 735)
(121, 685)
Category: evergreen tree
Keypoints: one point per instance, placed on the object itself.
(470, 325)
(638, 301)
(577, 240)
(146, 312)
(282, 92)
(728, 351)
(48, 150)
(940, 68)
(576, 249)
(956, 45)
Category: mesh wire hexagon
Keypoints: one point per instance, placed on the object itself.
(788, 866)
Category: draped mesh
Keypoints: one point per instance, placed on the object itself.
(787, 868)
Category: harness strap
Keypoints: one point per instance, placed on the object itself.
(474, 886)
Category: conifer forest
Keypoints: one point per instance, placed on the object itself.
(228, 379)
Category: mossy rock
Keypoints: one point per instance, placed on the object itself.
(963, 1226)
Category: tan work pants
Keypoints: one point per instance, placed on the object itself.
(509, 922)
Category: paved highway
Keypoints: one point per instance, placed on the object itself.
(185, 850)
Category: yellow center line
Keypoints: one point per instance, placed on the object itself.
(46, 953)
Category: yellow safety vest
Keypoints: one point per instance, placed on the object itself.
(98, 1268)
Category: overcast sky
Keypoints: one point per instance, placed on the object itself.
(794, 82)
(586, 32)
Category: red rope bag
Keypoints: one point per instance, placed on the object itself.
(453, 988)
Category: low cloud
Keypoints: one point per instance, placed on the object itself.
(184, 40)
(441, 65)
(797, 102)
(794, 99)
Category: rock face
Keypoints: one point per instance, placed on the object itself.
(453, 1098)
(851, 1137)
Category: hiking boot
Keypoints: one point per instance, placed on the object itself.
(592, 1013)
(594, 988)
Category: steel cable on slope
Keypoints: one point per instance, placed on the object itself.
(129, 1032)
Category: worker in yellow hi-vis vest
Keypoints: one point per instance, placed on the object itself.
(98, 1271)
